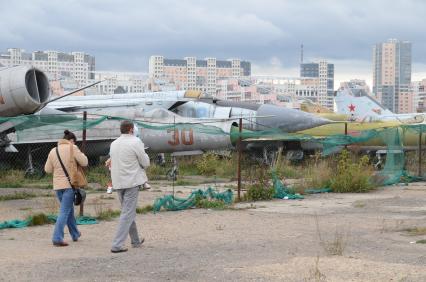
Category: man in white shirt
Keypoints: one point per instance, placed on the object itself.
(128, 164)
(145, 186)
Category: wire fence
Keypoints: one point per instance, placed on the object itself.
(211, 167)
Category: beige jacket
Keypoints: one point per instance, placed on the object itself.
(128, 162)
(53, 165)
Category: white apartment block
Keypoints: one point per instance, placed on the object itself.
(77, 65)
(119, 82)
(192, 73)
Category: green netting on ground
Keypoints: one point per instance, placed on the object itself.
(173, 203)
(281, 191)
(17, 223)
(318, 191)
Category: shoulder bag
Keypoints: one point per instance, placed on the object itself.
(77, 176)
(79, 194)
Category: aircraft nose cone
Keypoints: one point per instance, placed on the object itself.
(288, 120)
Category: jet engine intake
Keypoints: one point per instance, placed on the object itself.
(23, 90)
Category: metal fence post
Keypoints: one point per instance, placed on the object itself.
(239, 158)
(420, 152)
(83, 149)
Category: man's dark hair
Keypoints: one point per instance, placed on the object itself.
(68, 135)
(125, 126)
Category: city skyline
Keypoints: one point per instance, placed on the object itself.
(269, 34)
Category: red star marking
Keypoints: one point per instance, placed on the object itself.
(351, 108)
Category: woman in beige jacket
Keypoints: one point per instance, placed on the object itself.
(67, 150)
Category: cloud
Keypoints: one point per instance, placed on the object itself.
(123, 34)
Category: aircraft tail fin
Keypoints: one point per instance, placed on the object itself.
(359, 107)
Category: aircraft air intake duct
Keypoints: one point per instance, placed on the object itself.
(23, 90)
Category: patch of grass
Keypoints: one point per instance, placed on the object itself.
(336, 245)
(352, 176)
(182, 182)
(145, 209)
(359, 204)
(17, 196)
(25, 209)
(39, 219)
(108, 214)
(187, 166)
(315, 274)
(416, 231)
(98, 174)
(210, 204)
(210, 164)
(156, 172)
(13, 178)
(421, 241)
(285, 169)
(103, 197)
(315, 174)
(258, 192)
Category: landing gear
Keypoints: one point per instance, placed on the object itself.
(173, 172)
(33, 169)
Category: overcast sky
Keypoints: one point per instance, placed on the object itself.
(123, 34)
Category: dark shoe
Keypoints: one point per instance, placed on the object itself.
(119, 251)
(60, 244)
(76, 239)
(138, 245)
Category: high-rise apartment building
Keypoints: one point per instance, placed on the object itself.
(195, 74)
(419, 95)
(357, 87)
(76, 65)
(392, 75)
(322, 75)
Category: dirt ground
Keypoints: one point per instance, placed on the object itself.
(281, 240)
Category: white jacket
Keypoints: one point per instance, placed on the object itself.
(128, 161)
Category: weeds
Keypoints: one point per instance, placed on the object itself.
(416, 231)
(211, 164)
(98, 174)
(13, 178)
(285, 169)
(336, 245)
(315, 274)
(359, 204)
(17, 196)
(100, 211)
(156, 172)
(421, 242)
(145, 209)
(257, 192)
(352, 176)
(210, 204)
(260, 189)
(182, 182)
(108, 214)
(39, 219)
(207, 164)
